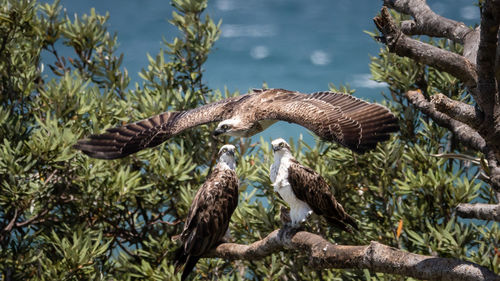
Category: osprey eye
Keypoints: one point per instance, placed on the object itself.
(224, 150)
(224, 127)
(282, 144)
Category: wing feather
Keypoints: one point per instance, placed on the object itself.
(127, 139)
(354, 123)
(311, 187)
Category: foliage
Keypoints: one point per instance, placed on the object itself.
(64, 216)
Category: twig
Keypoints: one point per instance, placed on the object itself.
(165, 222)
(12, 222)
(33, 219)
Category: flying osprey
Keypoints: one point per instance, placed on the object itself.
(304, 190)
(210, 212)
(352, 122)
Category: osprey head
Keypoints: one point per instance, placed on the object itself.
(227, 150)
(232, 127)
(280, 145)
(226, 155)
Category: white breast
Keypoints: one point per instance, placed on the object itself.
(299, 210)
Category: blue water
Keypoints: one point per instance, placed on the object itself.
(293, 44)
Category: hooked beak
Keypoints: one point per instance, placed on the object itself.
(276, 148)
(217, 132)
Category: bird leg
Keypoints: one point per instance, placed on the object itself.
(285, 216)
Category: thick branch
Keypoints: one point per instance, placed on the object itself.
(375, 257)
(405, 46)
(479, 211)
(463, 132)
(486, 57)
(457, 110)
(488, 92)
(427, 22)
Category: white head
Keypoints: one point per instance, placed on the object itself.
(226, 156)
(232, 127)
(281, 148)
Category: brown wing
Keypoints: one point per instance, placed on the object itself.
(354, 123)
(122, 141)
(208, 217)
(310, 187)
(210, 212)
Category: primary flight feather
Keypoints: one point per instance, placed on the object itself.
(354, 123)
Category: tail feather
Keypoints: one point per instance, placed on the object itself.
(179, 259)
(191, 262)
(352, 222)
(343, 224)
(182, 259)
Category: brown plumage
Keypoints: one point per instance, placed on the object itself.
(311, 187)
(304, 190)
(209, 214)
(354, 123)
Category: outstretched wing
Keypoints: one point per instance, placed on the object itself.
(122, 141)
(208, 217)
(354, 123)
(310, 187)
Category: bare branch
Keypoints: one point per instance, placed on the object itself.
(486, 57)
(471, 45)
(376, 257)
(463, 132)
(494, 172)
(32, 220)
(12, 221)
(427, 22)
(479, 211)
(460, 111)
(405, 46)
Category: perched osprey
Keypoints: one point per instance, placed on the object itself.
(352, 122)
(210, 212)
(304, 190)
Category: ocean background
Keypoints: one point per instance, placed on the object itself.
(292, 44)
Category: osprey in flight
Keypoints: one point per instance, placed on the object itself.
(210, 212)
(354, 123)
(304, 190)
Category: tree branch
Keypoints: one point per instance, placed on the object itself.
(486, 57)
(33, 219)
(427, 22)
(463, 132)
(460, 111)
(471, 45)
(494, 172)
(479, 211)
(405, 46)
(376, 257)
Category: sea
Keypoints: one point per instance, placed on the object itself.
(292, 44)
